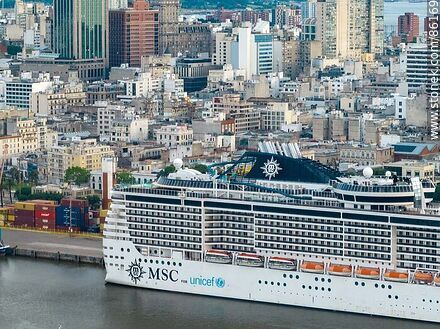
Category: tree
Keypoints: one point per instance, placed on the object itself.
(77, 175)
(437, 193)
(94, 201)
(167, 170)
(33, 177)
(200, 168)
(124, 177)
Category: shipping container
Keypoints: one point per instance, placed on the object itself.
(24, 213)
(45, 211)
(45, 214)
(77, 203)
(44, 202)
(24, 206)
(24, 221)
(75, 217)
(47, 224)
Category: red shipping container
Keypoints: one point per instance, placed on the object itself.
(76, 203)
(46, 224)
(45, 214)
(45, 207)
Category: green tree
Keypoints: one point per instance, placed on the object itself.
(33, 177)
(200, 168)
(94, 201)
(167, 170)
(77, 175)
(437, 193)
(23, 192)
(124, 177)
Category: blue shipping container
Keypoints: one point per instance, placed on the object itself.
(78, 216)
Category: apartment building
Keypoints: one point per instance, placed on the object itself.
(86, 154)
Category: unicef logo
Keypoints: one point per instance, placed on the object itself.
(220, 282)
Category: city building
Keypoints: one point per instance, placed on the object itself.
(133, 33)
(408, 27)
(80, 29)
(349, 29)
(366, 155)
(17, 92)
(416, 66)
(174, 135)
(424, 170)
(86, 154)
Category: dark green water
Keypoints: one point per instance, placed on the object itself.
(36, 294)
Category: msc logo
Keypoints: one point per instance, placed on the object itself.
(208, 282)
(162, 274)
(136, 273)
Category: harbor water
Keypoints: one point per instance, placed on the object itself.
(39, 294)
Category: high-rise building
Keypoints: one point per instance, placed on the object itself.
(117, 4)
(80, 29)
(168, 23)
(415, 64)
(408, 27)
(350, 28)
(134, 32)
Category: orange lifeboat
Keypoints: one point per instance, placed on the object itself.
(437, 280)
(368, 273)
(312, 267)
(395, 276)
(423, 277)
(340, 270)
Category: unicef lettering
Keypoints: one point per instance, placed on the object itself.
(208, 282)
(162, 274)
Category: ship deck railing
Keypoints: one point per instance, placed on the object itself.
(240, 195)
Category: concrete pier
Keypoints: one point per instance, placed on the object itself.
(58, 247)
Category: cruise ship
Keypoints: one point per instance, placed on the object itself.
(278, 229)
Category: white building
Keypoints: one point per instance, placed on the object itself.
(414, 63)
(17, 92)
(174, 135)
(277, 115)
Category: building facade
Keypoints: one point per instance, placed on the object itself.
(134, 32)
(80, 29)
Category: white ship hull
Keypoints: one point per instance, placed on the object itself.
(372, 297)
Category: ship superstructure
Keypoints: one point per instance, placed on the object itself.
(284, 230)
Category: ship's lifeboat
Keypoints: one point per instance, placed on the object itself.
(252, 260)
(340, 270)
(218, 256)
(279, 263)
(423, 277)
(396, 276)
(312, 267)
(368, 273)
(437, 280)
